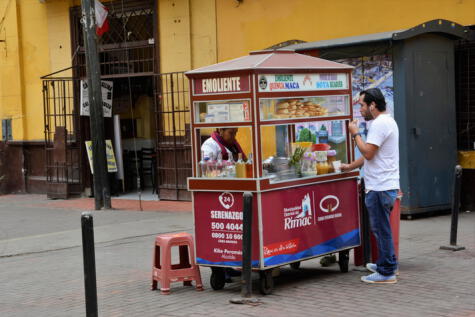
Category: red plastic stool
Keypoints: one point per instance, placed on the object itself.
(165, 272)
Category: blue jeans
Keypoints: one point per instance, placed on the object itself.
(379, 205)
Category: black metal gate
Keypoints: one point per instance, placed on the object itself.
(62, 136)
(172, 105)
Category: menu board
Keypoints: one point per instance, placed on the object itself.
(217, 113)
(302, 82)
(223, 112)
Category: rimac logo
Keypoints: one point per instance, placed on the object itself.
(329, 203)
(299, 216)
(226, 200)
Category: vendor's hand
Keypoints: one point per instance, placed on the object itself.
(353, 127)
(345, 167)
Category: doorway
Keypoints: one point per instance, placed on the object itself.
(131, 129)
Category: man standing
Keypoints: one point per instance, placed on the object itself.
(380, 161)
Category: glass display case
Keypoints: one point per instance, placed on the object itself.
(300, 150)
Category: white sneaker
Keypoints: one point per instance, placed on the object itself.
(377, 278)
(372, 268)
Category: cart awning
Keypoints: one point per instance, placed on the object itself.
(268, 60)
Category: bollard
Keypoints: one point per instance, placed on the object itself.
(89, 264)
(246, 281)
(455, 212)
(246, 287)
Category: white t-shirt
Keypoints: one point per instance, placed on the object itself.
(211, 146)
(382, 172)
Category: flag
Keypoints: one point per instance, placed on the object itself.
(102, 23)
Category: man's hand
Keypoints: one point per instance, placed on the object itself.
(346, 167)
(353, 127)
(355, 164)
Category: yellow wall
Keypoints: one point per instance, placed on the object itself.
(35, 63)
(258, 24)
(11, 88)
(192, 33)
(187, 40)
(37, 43)
(187, 31)
(59, 39)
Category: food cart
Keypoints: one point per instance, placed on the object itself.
(288, 109)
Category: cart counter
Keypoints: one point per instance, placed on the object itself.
(289, 224)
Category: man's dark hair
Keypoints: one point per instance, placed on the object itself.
(374, 95)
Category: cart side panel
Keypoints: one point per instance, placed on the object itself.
(218, 228)
(309, 221)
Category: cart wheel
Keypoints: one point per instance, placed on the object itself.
(295, 265)
(217, 279)
(343, 260)
(266, 282)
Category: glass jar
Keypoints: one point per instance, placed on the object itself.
(322, 162)
(308, 166)
(331, 157)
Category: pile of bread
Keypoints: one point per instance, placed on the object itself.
(295, 108)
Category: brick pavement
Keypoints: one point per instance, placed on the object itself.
(432, 282)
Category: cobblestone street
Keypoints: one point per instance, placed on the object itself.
(44, 276)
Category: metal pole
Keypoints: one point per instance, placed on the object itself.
(246, 281)
(101, 182)
(246, 287)
(455, 205)
(455, 212)
(89, 264)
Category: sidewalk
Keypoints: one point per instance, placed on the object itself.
(42, 272)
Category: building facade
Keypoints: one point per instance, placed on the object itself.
(148, 46)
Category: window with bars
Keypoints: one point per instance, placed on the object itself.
(128, 48)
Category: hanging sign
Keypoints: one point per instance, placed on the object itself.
(302, 82)
(106, 89)
(221, 85)
(111, 162)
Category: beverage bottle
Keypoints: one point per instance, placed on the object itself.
(307, 164)
(323, 135)
(230, 167)
(322, 163)
(211, 163)
(249, 164)
(240, 167)
(203, 165)
(220, 165)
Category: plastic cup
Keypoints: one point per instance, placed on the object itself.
(337, 166)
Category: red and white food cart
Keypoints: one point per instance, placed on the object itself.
(278, 100)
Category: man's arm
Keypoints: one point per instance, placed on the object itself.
(368, 150)
(355, 164)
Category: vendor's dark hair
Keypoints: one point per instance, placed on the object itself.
(374, 95)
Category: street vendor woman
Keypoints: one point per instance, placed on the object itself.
(223, 141)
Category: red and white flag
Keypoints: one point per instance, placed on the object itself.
(102, 23)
